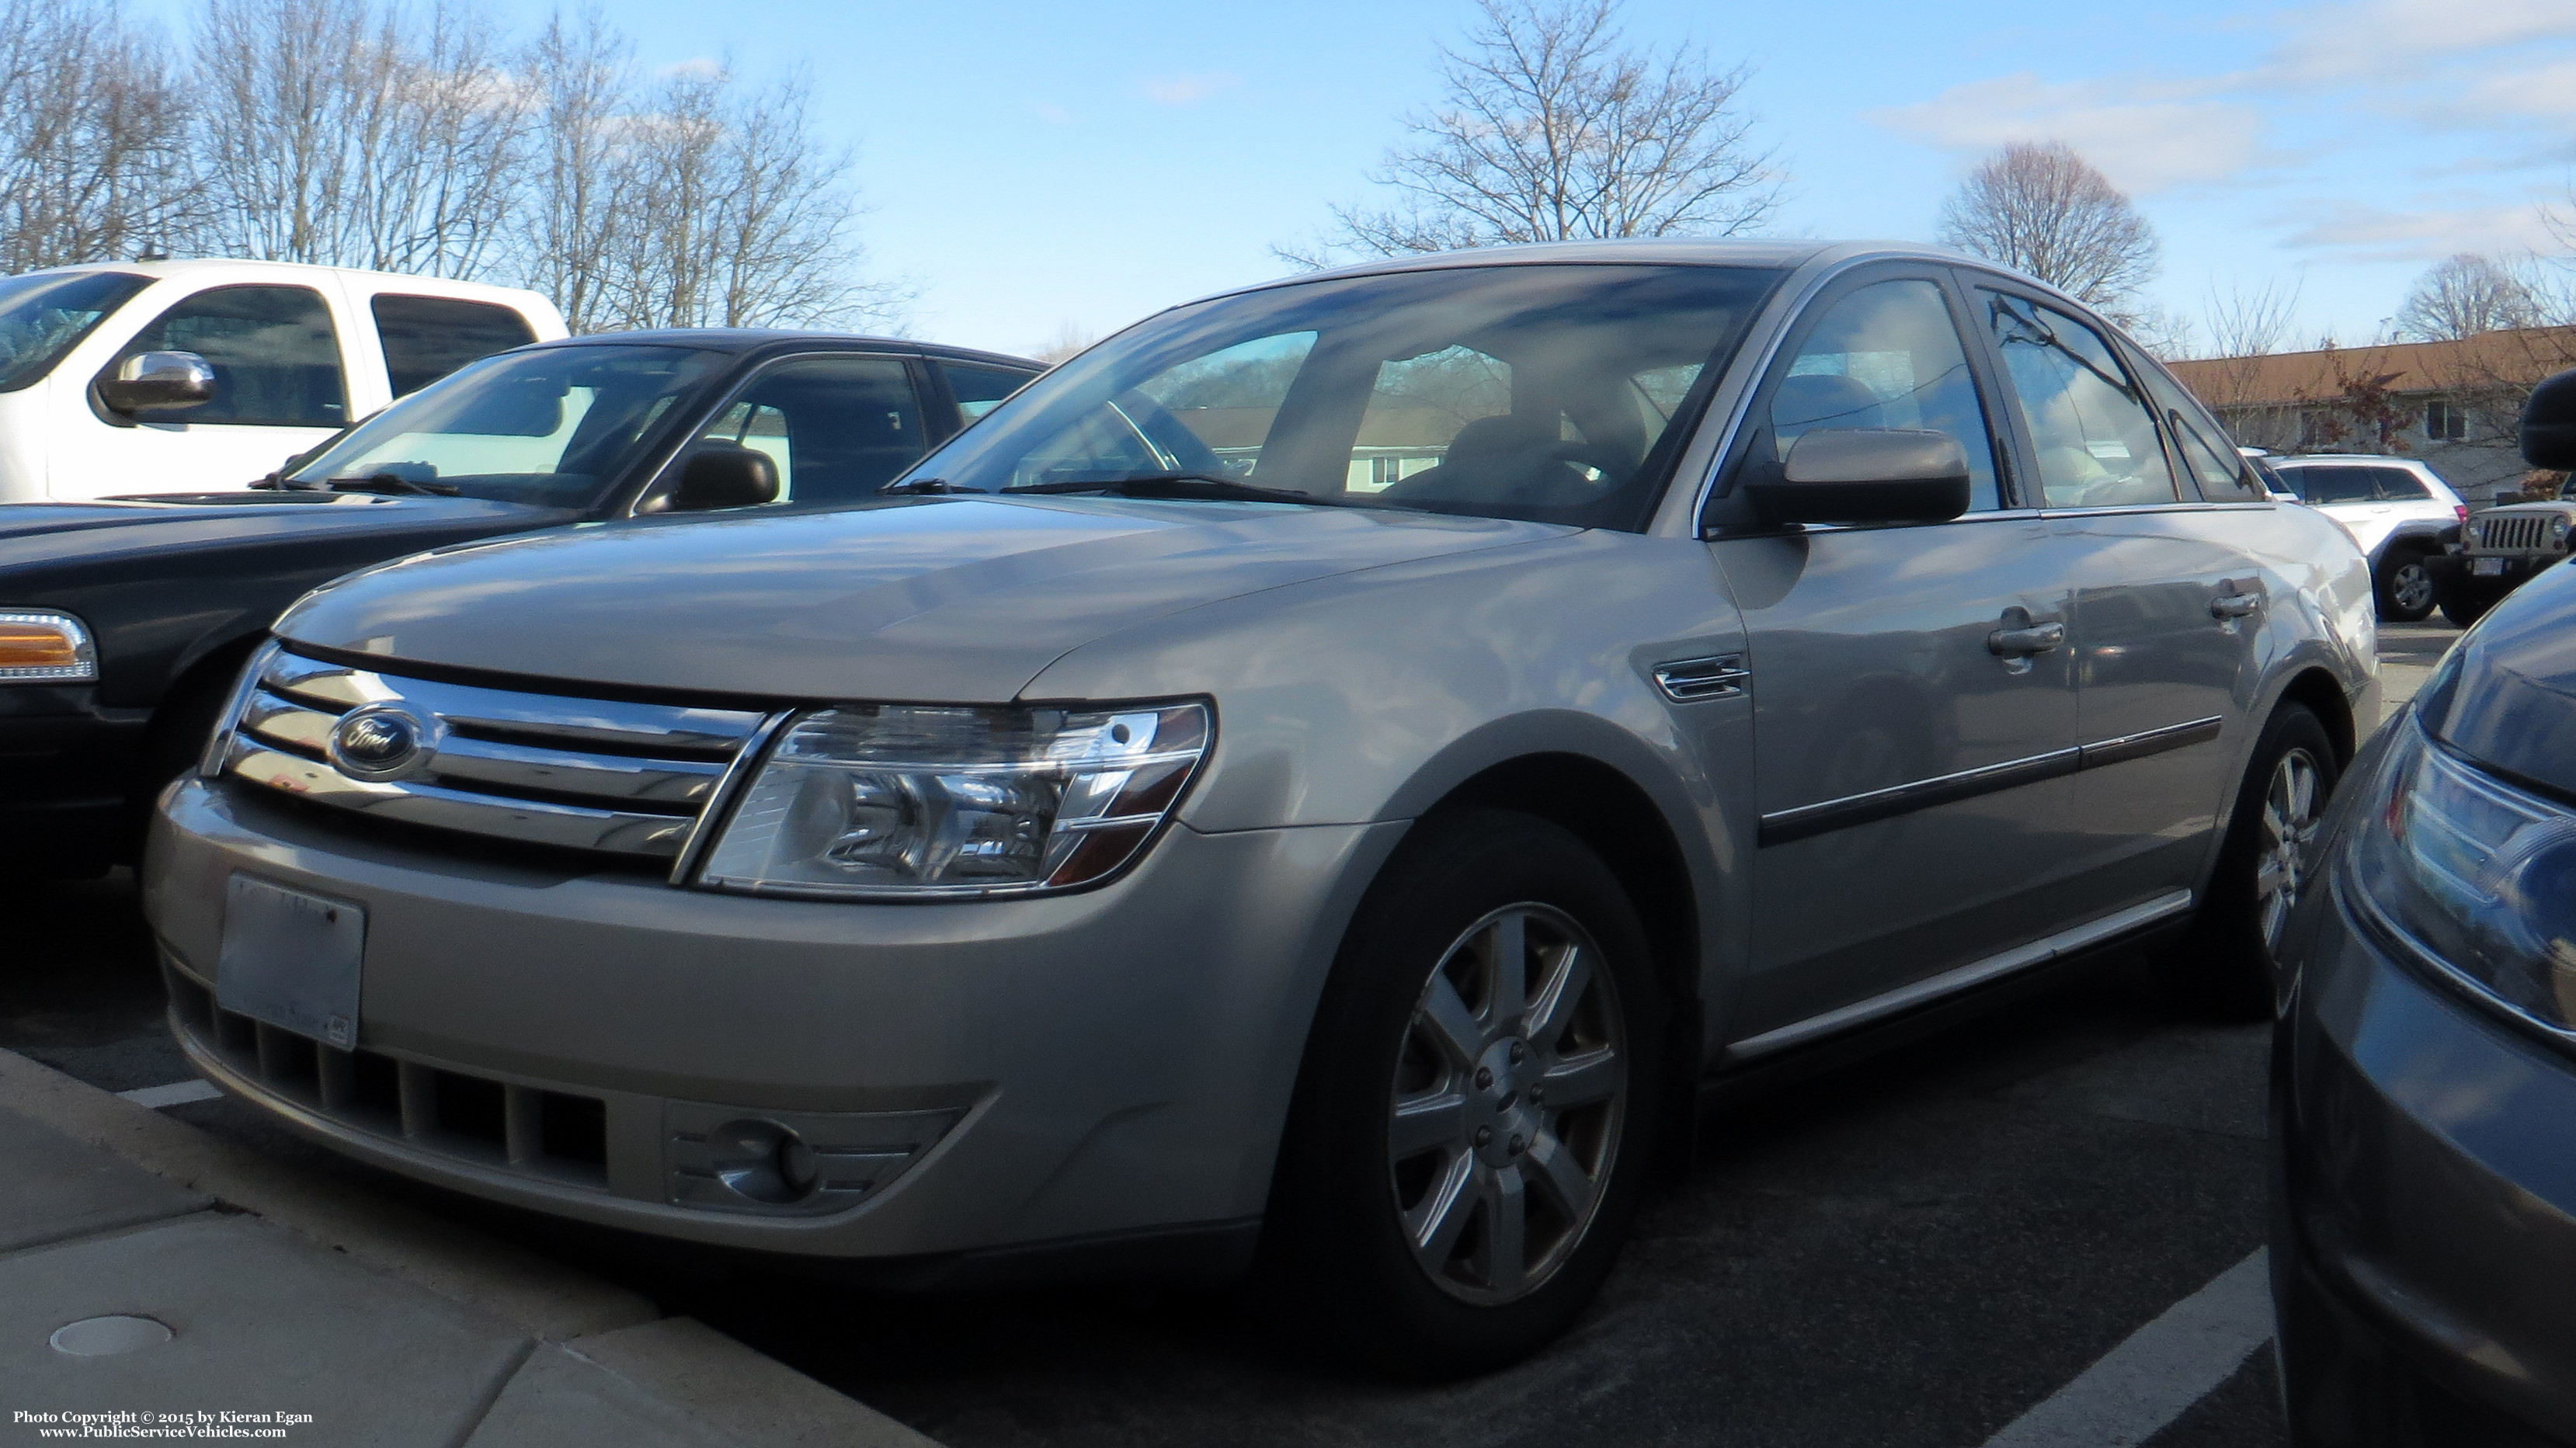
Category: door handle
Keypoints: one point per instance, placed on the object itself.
(2235, 605)
(2036, 639)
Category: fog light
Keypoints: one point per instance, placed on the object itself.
(762, 1161)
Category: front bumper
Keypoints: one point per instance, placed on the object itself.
(2453, 578)
(2425, 1233)
(1082, 1067)
(68, 770)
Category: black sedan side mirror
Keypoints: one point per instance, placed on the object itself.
(2549, 424)
(158, 379)
(725, 475)
(1866, 475)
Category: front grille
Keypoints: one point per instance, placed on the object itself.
(600, 776)
(2515, 533)
(557, 1135)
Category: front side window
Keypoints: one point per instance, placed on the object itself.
(839, 428)
(42, 315)
(1886, 356)
(2094, 435)
(275, 353)
(426, 338)
(554, 427)
(1557, 393)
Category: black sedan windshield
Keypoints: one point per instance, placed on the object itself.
(1557, 393)
(553, 427)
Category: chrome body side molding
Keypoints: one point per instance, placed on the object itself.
(1950, 982)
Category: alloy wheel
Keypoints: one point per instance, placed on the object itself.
(1507, 1104)
(2292, 805)
(2410, 587)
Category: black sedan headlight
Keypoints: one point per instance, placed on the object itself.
(2476, 873)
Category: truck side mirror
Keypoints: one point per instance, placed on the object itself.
(2549, 424)
(158, 379)
(724, 475)
(1867, 475)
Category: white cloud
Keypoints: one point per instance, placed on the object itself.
(2144, 133)
(2546, 91)
(2427, 234)
(1183, 90)
(2331, 44)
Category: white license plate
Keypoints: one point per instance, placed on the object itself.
(292, 960)
(2486, 565)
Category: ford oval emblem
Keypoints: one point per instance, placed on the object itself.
(380, 742)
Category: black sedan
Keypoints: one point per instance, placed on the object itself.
(2424, 1243)
(123, 622)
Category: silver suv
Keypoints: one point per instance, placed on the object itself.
(2397, 509)
(1314, 786)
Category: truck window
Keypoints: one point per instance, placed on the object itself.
(275, 354)
(42, 316)
(428, 337)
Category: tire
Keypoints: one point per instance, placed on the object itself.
(2403, 585)
(2224, 966)
(1344, 1266)
(2463, 612)
(174, 742)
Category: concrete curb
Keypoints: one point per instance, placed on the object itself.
(702, 1374)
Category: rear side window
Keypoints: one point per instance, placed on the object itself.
(2332, 483)
(428, 337)
(979, 390)
(275, 354)
(2396, 485)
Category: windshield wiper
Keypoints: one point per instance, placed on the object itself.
(1196, 487)
(924, 485)
(393, 483)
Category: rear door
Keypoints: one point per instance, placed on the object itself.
(2169, 603)
(1913, 689)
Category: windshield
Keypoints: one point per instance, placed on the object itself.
(552, 428)
(1556, 393)
(44, 313)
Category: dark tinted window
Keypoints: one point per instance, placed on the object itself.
(428, 337)
(980, 389)
(2331, 483)
(839, 428)
(275, 355)
(2396, 485)
(42, 316)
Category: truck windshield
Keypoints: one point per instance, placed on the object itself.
(554, 427)
(42, 314)
(1554, 393)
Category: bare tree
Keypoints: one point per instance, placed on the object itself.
(93, 160)
(2044, 210)
(341, 132)
(1070, 338)
(2463, 295)
(2250, 322)
(579, 72)
(1550, 130)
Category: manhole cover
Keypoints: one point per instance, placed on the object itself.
(107, 1336)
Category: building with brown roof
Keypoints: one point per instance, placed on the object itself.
(2452, 404)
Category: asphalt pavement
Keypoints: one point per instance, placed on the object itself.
(1984, 1237)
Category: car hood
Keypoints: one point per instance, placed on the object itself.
(960, 599)
(34, 534)
(2512, 701)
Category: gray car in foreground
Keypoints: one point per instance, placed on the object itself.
(1313, 787)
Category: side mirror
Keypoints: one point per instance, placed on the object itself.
(724, 475)
(1867, 475)
(159, 379)
(2549, 424)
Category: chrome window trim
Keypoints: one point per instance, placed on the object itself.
(1950, 982)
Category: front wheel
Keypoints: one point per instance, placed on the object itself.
(1475, 1115)
(2226, 965)
(2404, 586)
(2463, 612)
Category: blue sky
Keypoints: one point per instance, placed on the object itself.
(1031, 166)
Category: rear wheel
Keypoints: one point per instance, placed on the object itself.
(1476, 1112)
(2404, 585)
(2226, 964)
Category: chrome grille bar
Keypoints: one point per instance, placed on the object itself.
(608, 776)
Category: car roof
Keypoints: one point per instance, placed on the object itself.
(2349, 460)
(753, 339)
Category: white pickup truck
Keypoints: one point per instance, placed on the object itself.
(188, 376)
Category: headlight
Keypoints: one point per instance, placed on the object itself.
(42, 646)
(2480, 876)
(904, 801)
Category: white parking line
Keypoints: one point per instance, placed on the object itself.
(177, 1093)
(2158, 1371)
